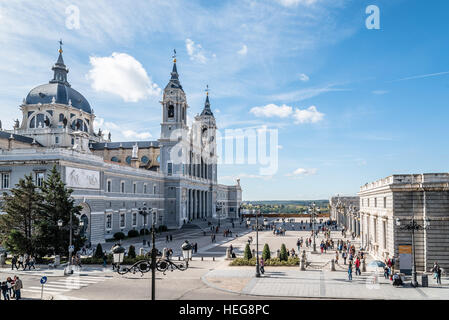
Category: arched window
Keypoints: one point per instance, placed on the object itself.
(61, 117)
(38, 121)
(128, 159)
(144, 159)
(171, 111)
(85, 128)
(115, 159)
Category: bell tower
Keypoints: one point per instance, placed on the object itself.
(174, 105)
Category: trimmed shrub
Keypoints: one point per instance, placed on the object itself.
(283, 254)
(266, 254)
(119, 236)
(99, 251)
(247, 255)
(132, 233)
(274, 262)
(144, 232)
(131, 251)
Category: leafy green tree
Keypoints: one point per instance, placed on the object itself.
(247, 253)
(283, 254)
(21, 205)
(266, 254)
(98, 251)
(57, 204)
(132, 252)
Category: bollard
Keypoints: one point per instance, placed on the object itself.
(202, 258)
(213, 258)
(332, 265)
(179, 258)
(141, 251)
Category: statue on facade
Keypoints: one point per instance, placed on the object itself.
(135, 151)
(16, 124)
(109, 136)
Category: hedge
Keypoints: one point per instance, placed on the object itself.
(274, 262)
(119, 236)
(133, 233)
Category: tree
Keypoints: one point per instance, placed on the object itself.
(21, 205)
(99, 251)
(283, 254)
(247, 253)
(266, 254)
(132, 252)
(57, 204)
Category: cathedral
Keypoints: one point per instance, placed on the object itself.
(176, 175)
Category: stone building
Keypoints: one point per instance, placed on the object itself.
(175, 175)
(345, 211)
(424, 197)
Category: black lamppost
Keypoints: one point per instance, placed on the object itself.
(144, 212)
(413, 226)
(313, 226)
(161, 264)
(70, 228)
(257, 245)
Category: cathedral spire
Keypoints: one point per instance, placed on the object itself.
(174, 80)
(59, 69)
(207, 111)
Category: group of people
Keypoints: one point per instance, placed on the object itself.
(11, 288)
(279, 231)
(227, 233)
(24, 261)
(168, 238)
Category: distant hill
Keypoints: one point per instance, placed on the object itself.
(319, 203)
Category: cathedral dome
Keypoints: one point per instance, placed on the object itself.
(61, 93)
(58, 90)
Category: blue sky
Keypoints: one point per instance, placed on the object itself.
(351, 104)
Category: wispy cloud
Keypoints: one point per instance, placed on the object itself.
(302, 172)
(303, 94)
(195, 51)
(243, 51)
(308, 115)
(421, 76)
(303, 77)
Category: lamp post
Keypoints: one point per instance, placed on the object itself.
(313, 226)
(413, 226)
(70, 228)
(161, 264)
(257, 246)
(144, 212)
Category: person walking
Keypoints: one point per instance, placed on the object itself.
(336, 257)
(17, 287)
(344, 255)
(14, 262)
(357, 267)
(262, 266)
(436, 272)
(105, 259)
(20, 261)
(166, 239)
(171, 238)
(32, 263)
(10, 284)
(350, 272)
(4, 288)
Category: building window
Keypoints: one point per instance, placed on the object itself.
(5, 180)
(154, 189)
(109, 186)
(171, 111)
(134, 187)
(109, 221)
(73, 141)
(122, 187)
(375, 202)
(134, 219)
(169, 168)
(385, 202)
(384, 227)
(368, 202)
(56, 139)
(145, 188)
(122, 220)
(115, 159)
(144, 160)
(128, 159)
(39, 179)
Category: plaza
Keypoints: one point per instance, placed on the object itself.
(209, 275)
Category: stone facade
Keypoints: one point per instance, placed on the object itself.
(175, 175)
(424, 197)
(345, 211)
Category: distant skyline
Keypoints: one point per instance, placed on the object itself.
(350, 105)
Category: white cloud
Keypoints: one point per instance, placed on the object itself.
(243, 51)
(294, 3)
(272, 110)
(133, 134)
(304, 94)
(302, 171)
(195, 51)
(303, 77)
(379, 92)
(122, 75)
(280, 147)
(311, 114)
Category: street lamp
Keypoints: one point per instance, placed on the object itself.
(161, 264)
(313, 226)
(257, 246)
(186, 251)
(413, 226)
(60, 224)
(118, 253)
(144, 212)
